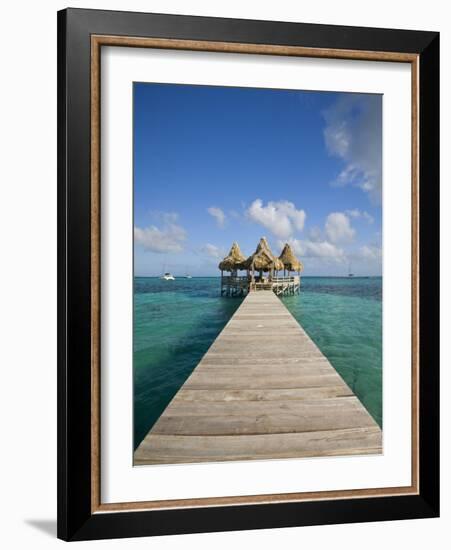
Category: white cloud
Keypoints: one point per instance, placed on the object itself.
(213, 251)
(353, 133)
(368, 217)
(281, 218)
(321, 249)
(315, 234)
(218, 214)
(169, 238)
(167, 217)
(338, 228)
(356, 213)
(370, 252)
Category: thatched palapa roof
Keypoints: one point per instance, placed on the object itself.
(233, 260)
(263, 259)
(289, 260)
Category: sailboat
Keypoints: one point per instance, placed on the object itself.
(350, 274)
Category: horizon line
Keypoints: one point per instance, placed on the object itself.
(219, 276)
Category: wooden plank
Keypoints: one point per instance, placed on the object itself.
(260, 408)
(202, 381)
(262, 390)
(170, 449)
(265, 369)
(263, 395)
(308, 419)
(300, 359)
(263, 357)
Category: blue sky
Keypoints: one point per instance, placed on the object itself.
(213, 165)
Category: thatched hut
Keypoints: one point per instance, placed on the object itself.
(234, 259)
(289, 260)
(278, 265)
(260, 262)
(263, 260)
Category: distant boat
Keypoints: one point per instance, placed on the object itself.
(168, 277)
(349, 271)
(188, 277)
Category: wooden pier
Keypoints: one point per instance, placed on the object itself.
(263, 390)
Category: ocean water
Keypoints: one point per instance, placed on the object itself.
(175, 322)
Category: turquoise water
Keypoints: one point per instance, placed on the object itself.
(175, 322)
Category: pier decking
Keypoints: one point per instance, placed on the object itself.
(263, 390)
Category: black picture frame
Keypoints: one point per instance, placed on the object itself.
(76, 520)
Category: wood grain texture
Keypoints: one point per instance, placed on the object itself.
(173, 448)
(95, 277)
(258, 49)
(263, 390)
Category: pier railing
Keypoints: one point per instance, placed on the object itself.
(294, 279)
(265, 285)
(245, 278)
(234, 285)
